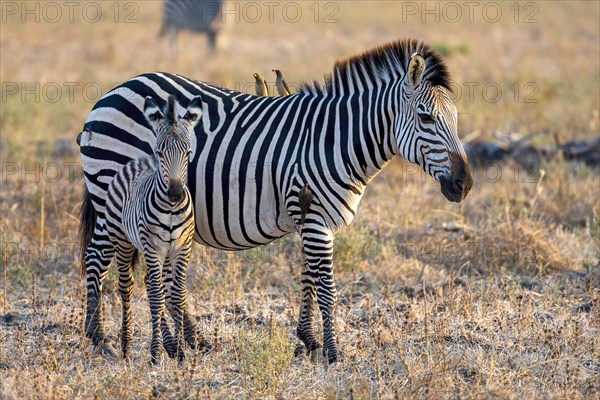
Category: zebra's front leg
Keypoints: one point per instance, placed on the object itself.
(318, 249)
(168, 340)
(192, 337)
(179, 264)
(97, 259)
(306, 324)
(156, 298)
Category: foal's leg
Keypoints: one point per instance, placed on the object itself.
(156, 297)
(179, 262)
(189, 327)
(192, 337)
(168, 339)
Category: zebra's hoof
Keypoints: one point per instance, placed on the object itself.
(191, 341)
(313, 351)
(316, 355)
(330, 356)
(106, 349)
(126, 353)
(195, 340)
(299, 351)
(171, 349)
(155, 357)
(203, 345)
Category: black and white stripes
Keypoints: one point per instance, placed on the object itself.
(251, 156)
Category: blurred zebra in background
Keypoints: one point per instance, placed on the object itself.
(193, 15)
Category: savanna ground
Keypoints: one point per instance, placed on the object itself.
(494, 298)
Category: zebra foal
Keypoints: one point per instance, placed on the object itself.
(149, 209)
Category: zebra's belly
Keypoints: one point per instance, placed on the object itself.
(206, 238)
(240, 217)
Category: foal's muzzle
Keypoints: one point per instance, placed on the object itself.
(175, 191)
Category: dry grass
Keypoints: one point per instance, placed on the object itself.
(495, 297)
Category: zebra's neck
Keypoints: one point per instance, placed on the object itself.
(362, 140)
(159, 189)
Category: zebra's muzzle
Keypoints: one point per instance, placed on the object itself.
(457, 185)
(175, 191)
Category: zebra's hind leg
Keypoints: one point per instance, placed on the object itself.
(156, 297)
(193, 338)
(124, 257)
(97, 260)
(306, 325)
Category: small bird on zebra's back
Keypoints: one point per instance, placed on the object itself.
(260, 85)
(282, 87)
(305, 198)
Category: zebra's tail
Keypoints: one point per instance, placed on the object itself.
(87, 222)
(135, 259)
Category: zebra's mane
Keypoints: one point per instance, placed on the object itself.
(383, 63)
(171, 109)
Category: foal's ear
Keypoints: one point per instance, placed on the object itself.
(152, 111)
(415, 69)
(194, 110)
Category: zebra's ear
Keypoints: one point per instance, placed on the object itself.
(415, 69)
(194, 110)
(152, 111)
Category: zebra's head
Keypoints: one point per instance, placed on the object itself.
(173, 142)
(426, 132)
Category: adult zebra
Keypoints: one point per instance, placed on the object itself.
(193, 15)
(252, 156)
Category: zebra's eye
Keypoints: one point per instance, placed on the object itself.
(426, 118)
(155, 117)
(190, 116)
